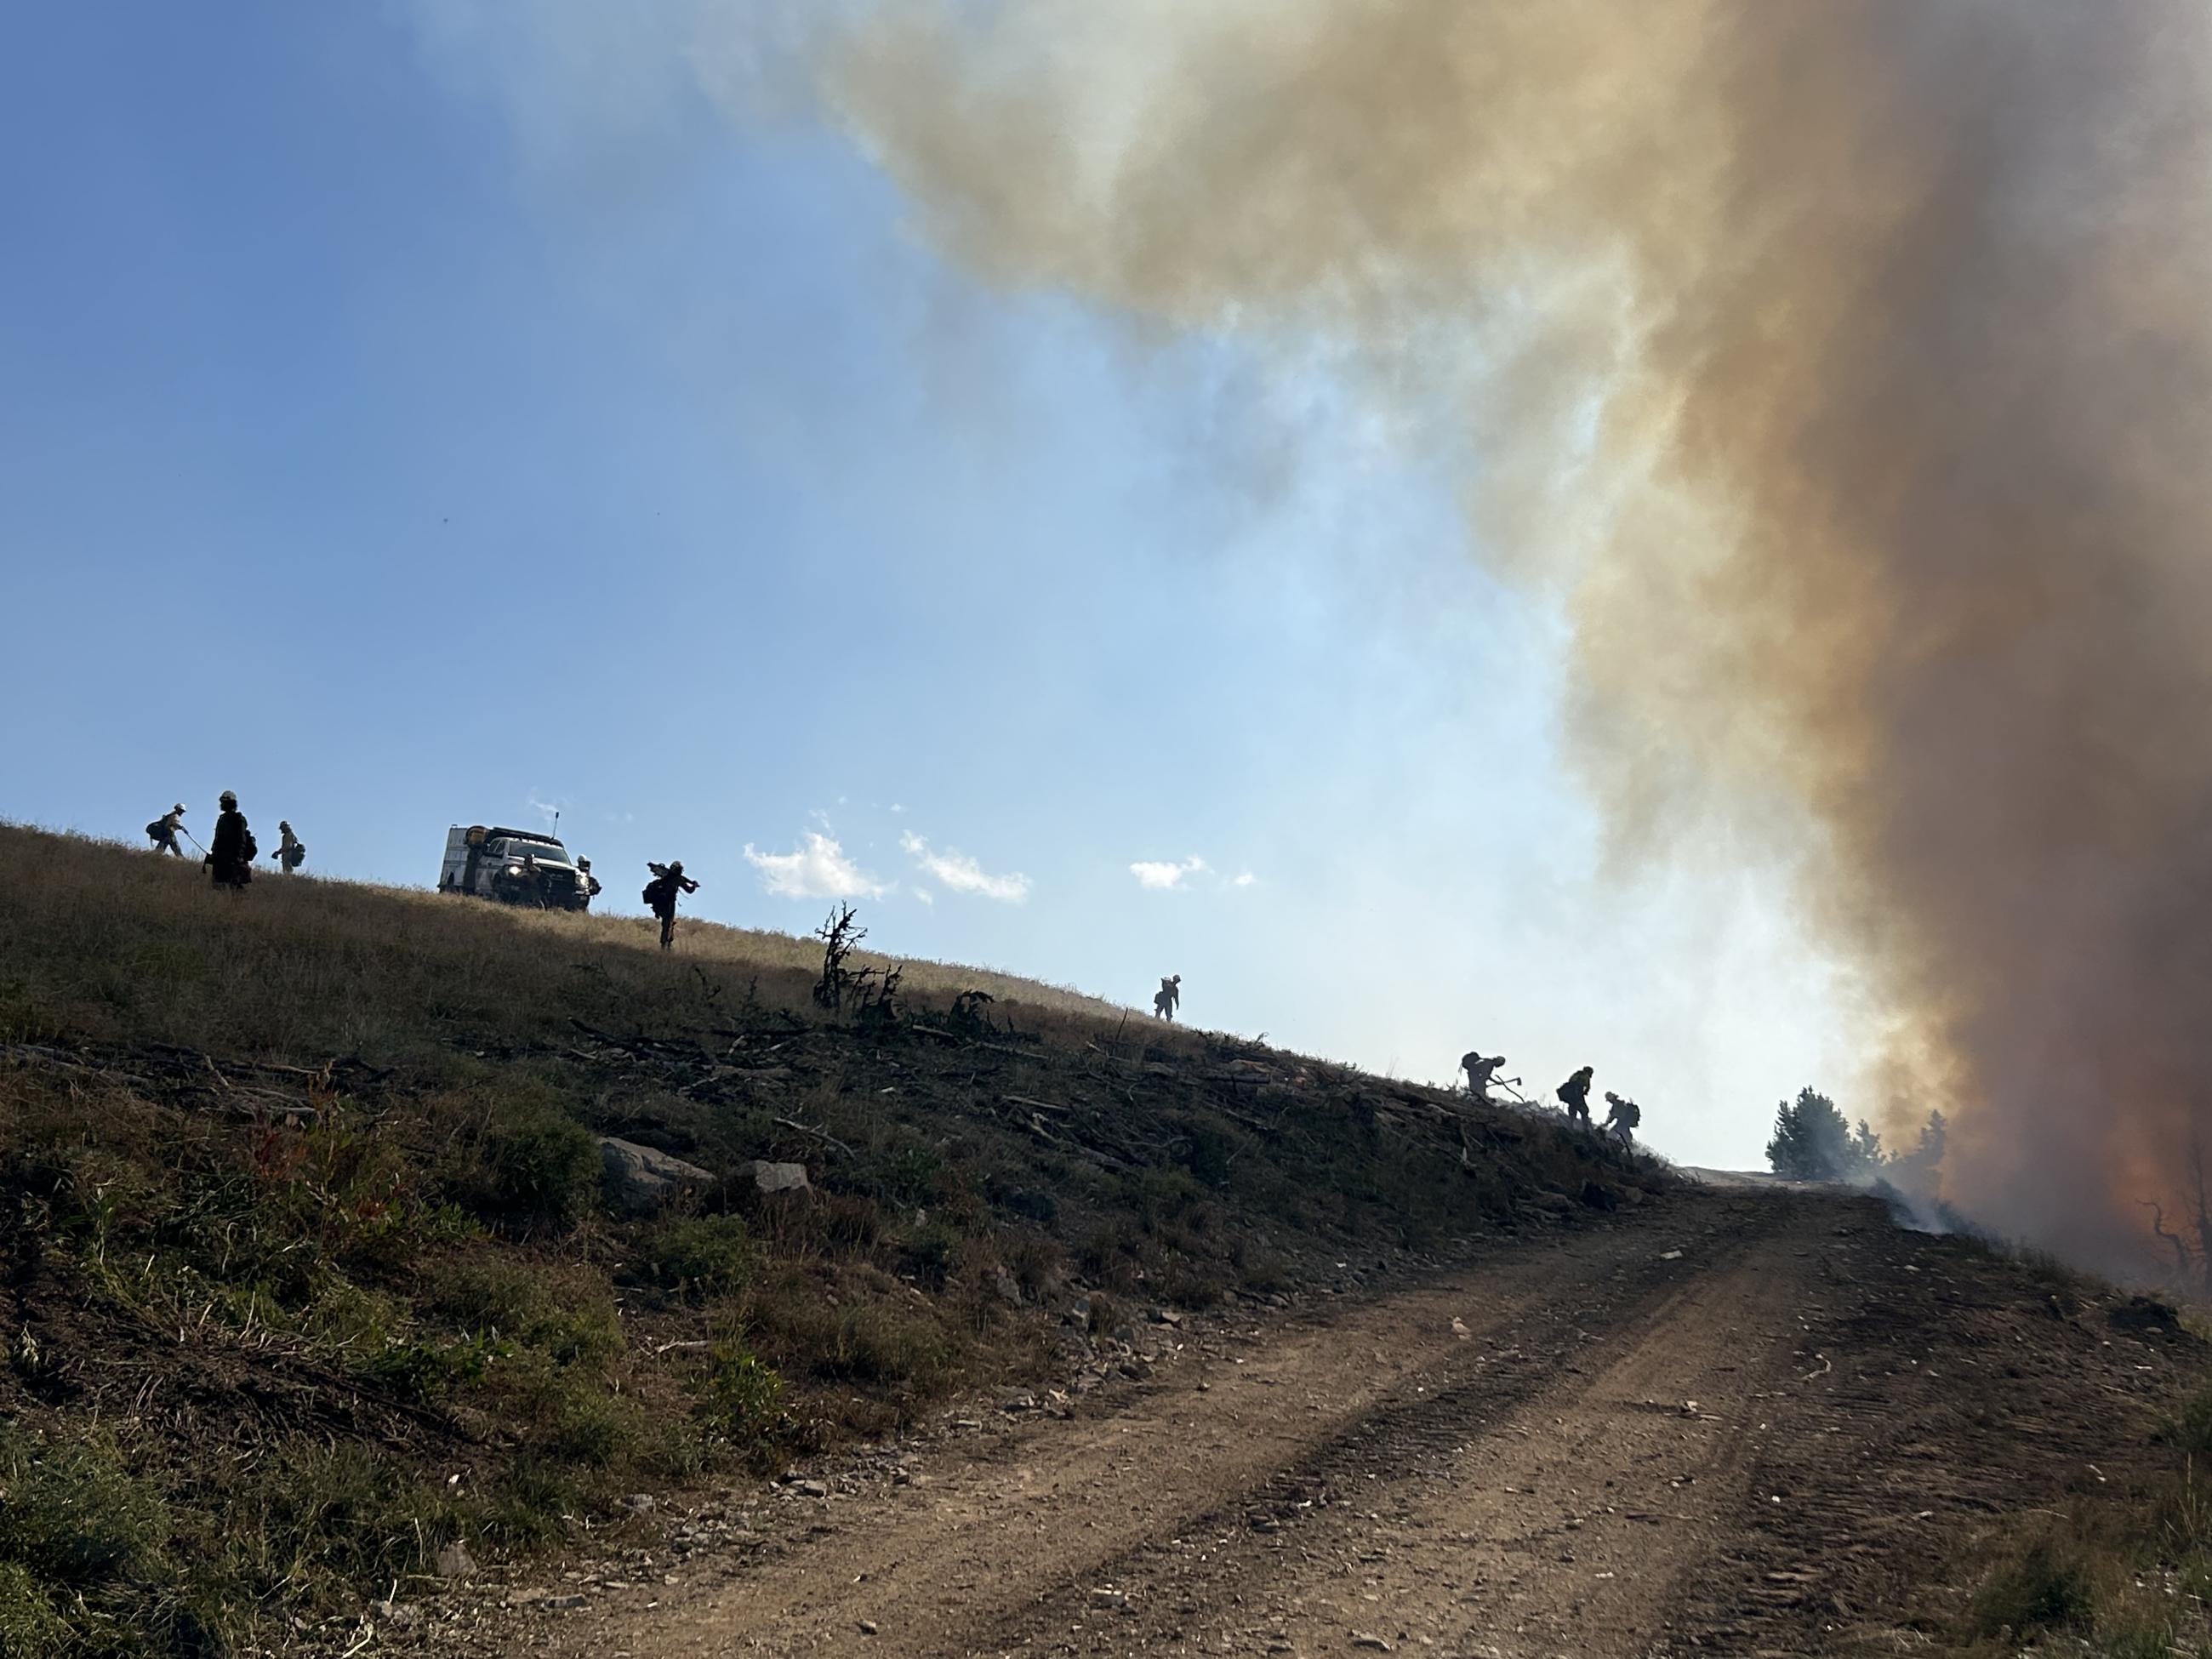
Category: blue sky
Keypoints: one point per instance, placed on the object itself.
(411, 420)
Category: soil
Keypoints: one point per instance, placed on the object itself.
(1730, 1421)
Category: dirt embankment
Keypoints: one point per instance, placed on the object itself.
(1735, 1422)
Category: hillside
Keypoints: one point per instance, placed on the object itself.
(317, 1270)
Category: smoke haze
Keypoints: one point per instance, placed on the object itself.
(1843, 368)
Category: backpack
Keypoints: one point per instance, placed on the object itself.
(154, 831)
(248, 848)
(658, 893)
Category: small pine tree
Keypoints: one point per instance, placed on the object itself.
(1813, 1142)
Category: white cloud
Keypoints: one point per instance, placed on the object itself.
(925, 895)
(551, 811)
(1245, 879)
(819, 869)
(956, 870)
(1160, 877)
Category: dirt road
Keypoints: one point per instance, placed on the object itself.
(1737, 1422)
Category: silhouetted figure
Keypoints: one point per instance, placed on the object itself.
(1168, 998)
(1621, 1117)
(590, 881)
(1480, 1072)
(668, 881)
(1575, 1094)
(291, 852)
(162, 832)
(230, 856)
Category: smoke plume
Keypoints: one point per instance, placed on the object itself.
(1844, 367)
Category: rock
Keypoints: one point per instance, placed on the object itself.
(455, 1561)
(1166, 1317)
(1006, 1288)
(638, 1179)
(867, 1628)
(1670, 1256)
(1376, 1643)
(400, 1615)
(640, 1503)
(777, 1177)
(812, 1489)
(562, 1603)
(1118, 1600)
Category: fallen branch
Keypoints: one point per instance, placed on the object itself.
(822, 1135)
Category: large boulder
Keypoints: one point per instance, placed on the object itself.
(639, 1179)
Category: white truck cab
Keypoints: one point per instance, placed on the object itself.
(513, 866)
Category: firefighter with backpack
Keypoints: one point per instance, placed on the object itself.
(668, 883)
(1621, 1117)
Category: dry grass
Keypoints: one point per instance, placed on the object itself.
(278, 1334)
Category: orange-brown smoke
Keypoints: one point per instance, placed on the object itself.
(1844, 365)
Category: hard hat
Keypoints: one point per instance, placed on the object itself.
(675, 865)
(227, 798)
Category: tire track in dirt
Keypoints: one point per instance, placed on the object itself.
(1544, 1511)
(979, 1550)
(1499, 1464)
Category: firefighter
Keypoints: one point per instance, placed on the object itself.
(162, 832)
(590, 881)
(1621, 1117)
(291, 852)
(1480, 1072)
(668, 883)
(1574, 1093)
(1168, 998)
(230, 856)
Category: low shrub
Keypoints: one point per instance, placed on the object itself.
(699, 1255)
(74, 1514)
(2048, 1587)
(30, 1627)
(743, 1397)
(536, 1167)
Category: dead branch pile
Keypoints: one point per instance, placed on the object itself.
(189, 1078)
